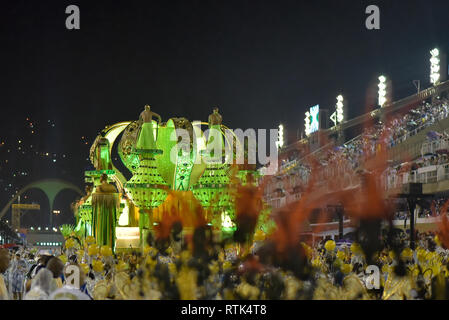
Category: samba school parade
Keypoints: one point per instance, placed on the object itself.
(348, 205)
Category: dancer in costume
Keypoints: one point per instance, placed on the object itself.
(83, 213)
(105, 203)
(18, 271)
(146, 139)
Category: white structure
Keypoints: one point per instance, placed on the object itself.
(338, 116)
(280, 141)
(435, 66)
(382, 90)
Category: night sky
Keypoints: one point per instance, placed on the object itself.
(262, 62)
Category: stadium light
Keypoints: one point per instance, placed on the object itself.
(382, 90)
(280, 141)
(338, 116)
(435, 66)
(307, 123)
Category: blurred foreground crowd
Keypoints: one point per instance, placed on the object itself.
(205, 269)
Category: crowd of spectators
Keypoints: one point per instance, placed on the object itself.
(426, 209)
(353, 153)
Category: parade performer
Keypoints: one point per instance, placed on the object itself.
(83, 224)
(105, 203)
(18, 277)
(40, 286)
(146, 139)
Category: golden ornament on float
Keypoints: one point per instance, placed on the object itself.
(316, 263)
(355, 248)
(97, 265)
(259, 235)
(106, 251)
(85, 268)
(437, 240)
(330, 245)
(70, 243)
(346, 268)
(392, 255)
(407, 253)
(92, 250)
(341, 255)
(121, 266)
(90, 240)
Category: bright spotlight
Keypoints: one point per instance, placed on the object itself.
(338, 116)
(280, 141)
(382, 93)
(434, 66)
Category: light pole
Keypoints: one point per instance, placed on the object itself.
(280, 141)
(435, 66)
(382, 92)
(417, 84)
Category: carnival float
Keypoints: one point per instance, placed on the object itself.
(170, 180)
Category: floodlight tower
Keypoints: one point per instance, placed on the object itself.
(307, 124)
(382, 93)
(281, 139)
(338, 116)
(435, 66)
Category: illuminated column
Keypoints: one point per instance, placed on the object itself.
(280, 141)
(382, 90)
(339, 109)
(435, 66)
(307, 123)
(338, 116)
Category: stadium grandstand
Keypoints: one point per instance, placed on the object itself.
(407, 140)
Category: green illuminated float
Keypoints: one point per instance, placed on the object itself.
(162, 156)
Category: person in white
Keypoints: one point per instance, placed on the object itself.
(40, 286)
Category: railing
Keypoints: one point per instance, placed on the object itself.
(429, 174)
(434, 146)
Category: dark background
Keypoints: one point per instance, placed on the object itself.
(261, 62)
